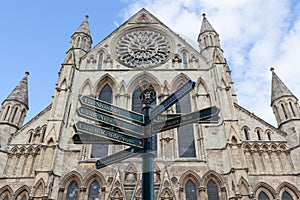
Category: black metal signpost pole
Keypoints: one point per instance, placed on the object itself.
(148, 159)
(148, 95)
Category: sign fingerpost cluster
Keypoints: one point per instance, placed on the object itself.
(115, 125)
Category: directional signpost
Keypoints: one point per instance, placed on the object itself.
(172, 99)
(83, 138)
(117, 157)
(108, 134)
(115, 125)
(181, 120)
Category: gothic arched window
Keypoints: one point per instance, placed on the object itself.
(190, 191)
(6, 197)
(6, 113)
(284, 111)
(14, 115)
(100, 150)
(263, 196)
(94, 191)
(24, 197)
(72, 192)
(100, 60)
(291, 106)
(185, 134)
(185, 60)
(212, 191)
(136, 105)
(286, 196)
(258, 135)
(269, 136)
(246, 134)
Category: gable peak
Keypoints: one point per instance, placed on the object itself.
(142, 16)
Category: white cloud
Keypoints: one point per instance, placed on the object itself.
(255, 35)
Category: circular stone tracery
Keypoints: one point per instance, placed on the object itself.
(142, 48)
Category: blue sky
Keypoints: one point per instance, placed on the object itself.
(255, 35)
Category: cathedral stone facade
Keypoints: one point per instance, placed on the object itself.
(239, 157)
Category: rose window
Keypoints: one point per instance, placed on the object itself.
(143, 48)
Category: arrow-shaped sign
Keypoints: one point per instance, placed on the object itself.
(117, 157)
(203, 115)
(109, 134)
(119, 124)
(111, 109)
(84, 138)
(173, 98)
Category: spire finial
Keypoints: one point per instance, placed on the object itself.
(26, 73)
(272, 69)
(203, 15)
(86, 17)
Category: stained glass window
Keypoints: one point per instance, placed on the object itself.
(72, 192)
(212, 190)
(100, 150)
(286, 196)
(190, 191)
(263, 196)
(94, 191)
(100, 61)
(186, 142)
(137, 105)
(185, 60)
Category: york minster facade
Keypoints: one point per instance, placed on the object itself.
(240, 157)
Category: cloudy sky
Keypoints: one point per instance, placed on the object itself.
(255, 35)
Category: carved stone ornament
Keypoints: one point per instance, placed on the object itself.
(142, 48)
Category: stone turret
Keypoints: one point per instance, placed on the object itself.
(208, 37)
(81, 42)
(14, 110)
(286, 109)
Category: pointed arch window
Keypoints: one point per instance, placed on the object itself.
(185, 134)
(292, 109)
(284, 111)
(212, 191)
(185, 60)
(100, 61)
(263, 196)
(258, 134)
(94, 191)
(77, 43)
(246, 133)
(6, 113)
(286, 196)
(211, 40)
(6, 197)
(190, 191)
(14, 115)
(269, 136)
(72, 192)
(24, 197)
(136, 105)
(100, 150)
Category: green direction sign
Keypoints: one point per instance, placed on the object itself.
(83, 138)
(111, 109)
(202, 116)
(163, 118)
(119, 124)
(117, 157)
(109, 134)
(173, 98)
